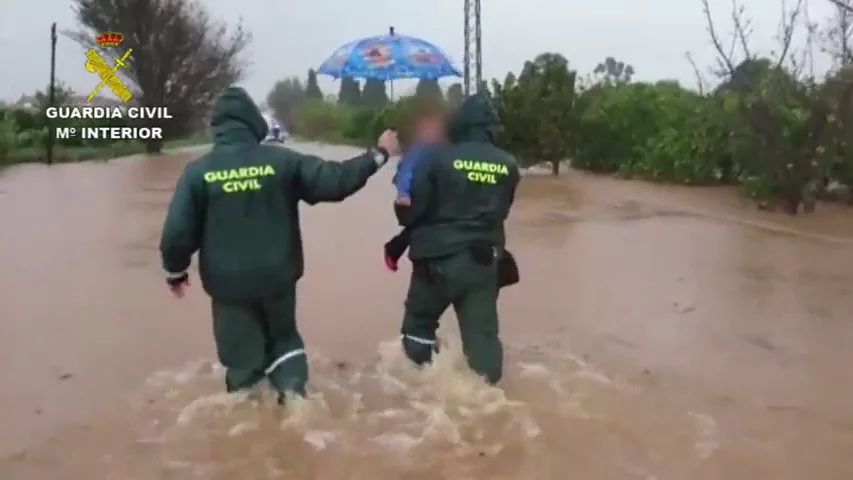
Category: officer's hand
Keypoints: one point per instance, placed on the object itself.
(389, 141)
(178, 284)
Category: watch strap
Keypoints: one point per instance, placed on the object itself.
(380, 155)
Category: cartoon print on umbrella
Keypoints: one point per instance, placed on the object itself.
(420, 55)
(389, 57)
(378, 55)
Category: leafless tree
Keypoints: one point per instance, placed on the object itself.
(700, 79)
(843, 4)
(742, 31)
(182, 58)
(836, 34)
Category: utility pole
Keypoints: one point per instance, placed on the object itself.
(473, 67)
(52, 94)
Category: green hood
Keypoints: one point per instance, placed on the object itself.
(475, 120)
(236, 118)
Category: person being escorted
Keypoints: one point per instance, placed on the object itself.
(238, 207)
(460, 199)
(427, 132)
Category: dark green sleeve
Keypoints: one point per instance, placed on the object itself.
(319, 180)
(423, 192)
(183, 227)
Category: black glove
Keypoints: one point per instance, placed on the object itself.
(395, 248)
(403, 214)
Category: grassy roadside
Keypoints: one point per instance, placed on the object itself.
(79, 154)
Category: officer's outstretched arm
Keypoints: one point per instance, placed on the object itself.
(423, 193)
(317, 180)
(183, 227)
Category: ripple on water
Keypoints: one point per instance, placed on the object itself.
(557, 415)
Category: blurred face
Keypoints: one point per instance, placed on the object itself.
(430, 129)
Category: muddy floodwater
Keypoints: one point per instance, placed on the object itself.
(658, 333)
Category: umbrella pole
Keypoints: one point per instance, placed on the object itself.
(391, 82)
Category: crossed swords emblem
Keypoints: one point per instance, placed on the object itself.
(97, 64)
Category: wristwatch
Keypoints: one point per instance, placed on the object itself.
(177, 278)
(380, 155)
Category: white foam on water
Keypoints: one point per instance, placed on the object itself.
(707, 435)
(388, 414)
(224, 401)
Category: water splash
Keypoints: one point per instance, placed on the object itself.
(388, 416)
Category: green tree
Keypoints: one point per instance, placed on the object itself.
(537, 110)
(312, 88)
(350, 92)
(61, 93)
(374, 94)
(613, 71)
(455, 94)
(510, 79)
(284, 98)
(428, 88)
(8, 136)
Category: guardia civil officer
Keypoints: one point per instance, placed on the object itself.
(460, 198)
(238, 207)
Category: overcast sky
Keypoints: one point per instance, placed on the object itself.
(292, 36)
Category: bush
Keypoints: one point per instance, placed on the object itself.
(321, 120)
(8, 133)
(655, 131)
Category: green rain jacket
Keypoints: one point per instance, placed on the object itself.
(462, 194)
(238, 205)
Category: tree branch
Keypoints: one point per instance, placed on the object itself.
(788, 25)
(743, 29)
(843, 4)
(724, 60)
(700, 82)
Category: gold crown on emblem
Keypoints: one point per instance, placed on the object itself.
(109, 39)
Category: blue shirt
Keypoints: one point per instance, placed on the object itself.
(406, 168)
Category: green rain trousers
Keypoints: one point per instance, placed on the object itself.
(260, 340)
(472, 289)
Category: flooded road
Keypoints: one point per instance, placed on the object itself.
(658, 333)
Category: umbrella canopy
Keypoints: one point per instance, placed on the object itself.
(389, 57)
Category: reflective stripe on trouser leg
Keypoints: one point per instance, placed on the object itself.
(289, 372)
(419, 349)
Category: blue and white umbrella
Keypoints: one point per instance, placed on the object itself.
(389, 57)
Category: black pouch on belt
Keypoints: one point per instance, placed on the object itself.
(507, 270)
